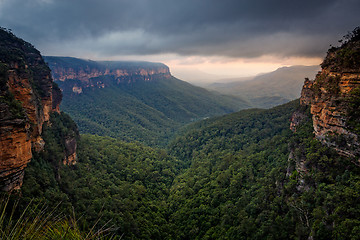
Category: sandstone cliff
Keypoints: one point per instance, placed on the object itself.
(78, 74)
(27, 98)
(333, 97)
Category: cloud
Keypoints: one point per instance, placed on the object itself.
(232, 28)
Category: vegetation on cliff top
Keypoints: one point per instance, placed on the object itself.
(12, 106)
(22, 58)
(78, 64)
(346, 57)
(25, 59)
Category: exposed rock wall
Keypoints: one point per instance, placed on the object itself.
(37, 108)
(297, 118)
(28, 96)
(61, 73)
(15, 145)
(329, 97)
(70, 157)
(91, 74)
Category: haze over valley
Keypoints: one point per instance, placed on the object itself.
(232, 38)
(179, 120)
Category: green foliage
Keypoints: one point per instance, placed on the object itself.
(122, 184)
(326, 196)
(3, 76)
(22, 58)
(15, 50)
(43, 173)
(349, 58)
(231, 189)
(74, 63)
(37, 222)
(240, 184)
(128, 183)
(77, 64)
(234, 181)
(149, 112)
(352, 36)
(329, 83)
(25, 226)
(112, 112)
(227, 177)
(332, 86)
(6, 97)
(346, 56)
(61, 127)
(353, 111)
(13, 105)
(233, 132)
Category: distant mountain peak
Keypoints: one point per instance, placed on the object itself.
(269, 89)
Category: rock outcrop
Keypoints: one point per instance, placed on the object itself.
(70, 157)
(333, 98)
(28, 96)
(80, 74)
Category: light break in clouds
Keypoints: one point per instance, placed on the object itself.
(221, 36)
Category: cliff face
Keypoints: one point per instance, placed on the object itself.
(70, 156)
(333, 97)
(28, 96)
(79, 74)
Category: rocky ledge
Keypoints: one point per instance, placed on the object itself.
(334, 98)
(74, 74)
(27, 98)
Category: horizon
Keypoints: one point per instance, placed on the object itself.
(196, 76)
(196, 39)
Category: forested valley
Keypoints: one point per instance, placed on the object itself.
(143, 169)
(224, 178)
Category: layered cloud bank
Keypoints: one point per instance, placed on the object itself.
(169, 30)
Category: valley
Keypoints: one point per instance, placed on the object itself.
(134, 153)
(269, 89)
(138, 101)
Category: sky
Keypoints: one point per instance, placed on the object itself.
(195, 38)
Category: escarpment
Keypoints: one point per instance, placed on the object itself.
(334, 98)
(74, 75)
(28, 97)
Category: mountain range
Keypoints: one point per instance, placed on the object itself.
(269, 89)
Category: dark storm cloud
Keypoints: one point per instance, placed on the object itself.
(188, 27)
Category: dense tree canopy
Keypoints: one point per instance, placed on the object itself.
(148, 112)
(225, 178)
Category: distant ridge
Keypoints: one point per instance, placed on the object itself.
(88, 73)
(138, 101)
(269, 89)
